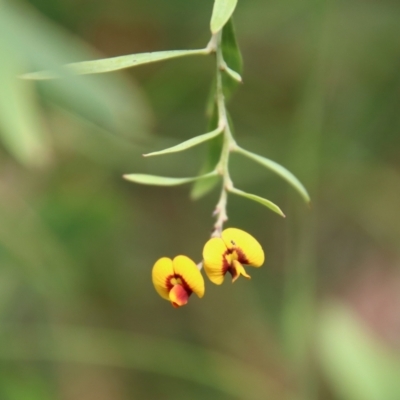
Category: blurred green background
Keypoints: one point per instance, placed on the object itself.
(79, 316)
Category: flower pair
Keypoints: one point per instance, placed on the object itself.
(175, 280)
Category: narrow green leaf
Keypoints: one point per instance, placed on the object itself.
(259, 199)
(111, 101)
(21, 127)
(222, 11)
(204, 186)
(233, 74)
(230, 48)
(187, 144)
(211, 105)
(354, 361)
(278, 169)
(162, 180)
(114, 63)
(233, 59)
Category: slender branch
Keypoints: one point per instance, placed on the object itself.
(229, 143)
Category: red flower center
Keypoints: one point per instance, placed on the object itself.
(176, 279)
(229, 255)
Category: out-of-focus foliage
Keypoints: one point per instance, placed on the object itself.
(222, 12)
(29, 41)
(358, 365)
(321, 95)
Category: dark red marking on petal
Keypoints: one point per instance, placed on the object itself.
(227, 267)
(225, 263)
(233, 271)
(241, 256)
(169, 285)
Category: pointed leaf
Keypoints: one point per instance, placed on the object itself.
(354, 360)
(233, 74)
(204, 186)
(230, 48)
(233, 60)
(278, 169)
(162, 180)
(222, 11)
(114, 63)
(187, 144)
(211, 105)
(21, 127)
(111, 101)
(259, 199)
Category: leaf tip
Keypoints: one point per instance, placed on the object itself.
(233, 74)
(280, 212)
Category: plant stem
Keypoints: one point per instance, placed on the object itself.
(228, 141)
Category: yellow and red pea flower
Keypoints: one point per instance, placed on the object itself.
(175, 280)
(229, 252)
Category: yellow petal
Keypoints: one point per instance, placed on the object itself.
(214, 261)
(190, 274)
(248, 250)
(161, 275)
(178, 296)
(236, 270)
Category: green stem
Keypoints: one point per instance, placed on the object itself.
(228, 140)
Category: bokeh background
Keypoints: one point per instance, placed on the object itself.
(79, 318)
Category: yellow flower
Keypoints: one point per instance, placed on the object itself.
(175, 280)
(229, 252)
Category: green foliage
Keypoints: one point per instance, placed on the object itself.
(214, 148)
(278, 169)
(357, 365)
(112, 348)
(78, 315)
(233, 59)
(222, 11)
(229, 60)
(164, 181)
(188, 143)
(258, 199)
(113, 103)
(23, 131)
(113, 64)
